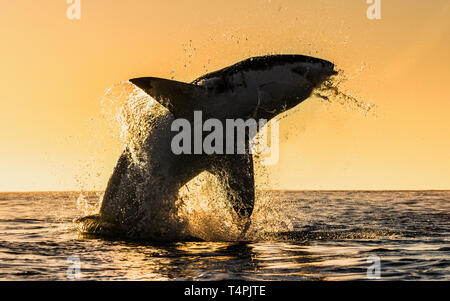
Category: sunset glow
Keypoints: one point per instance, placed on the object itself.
(56, 133)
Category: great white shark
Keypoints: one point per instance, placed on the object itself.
(256, 88)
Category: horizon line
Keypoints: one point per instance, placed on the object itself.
(275, 190)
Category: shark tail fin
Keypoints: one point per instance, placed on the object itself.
(181, 99)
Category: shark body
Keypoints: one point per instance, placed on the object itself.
(256, 88)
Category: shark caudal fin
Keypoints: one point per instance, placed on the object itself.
(181, 99)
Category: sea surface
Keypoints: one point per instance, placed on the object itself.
(342, 235)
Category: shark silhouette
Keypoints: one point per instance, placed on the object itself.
(258, 88)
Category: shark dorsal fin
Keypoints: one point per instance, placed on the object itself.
(181, 99)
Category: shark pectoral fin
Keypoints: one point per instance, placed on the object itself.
(181, 99)
(235, 173)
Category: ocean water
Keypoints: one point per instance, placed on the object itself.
(332, 236)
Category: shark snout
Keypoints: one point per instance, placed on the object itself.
(316, 71)
(328, 68)
(318, 75)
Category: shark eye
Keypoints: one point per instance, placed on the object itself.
(216, 84)
(301, 70)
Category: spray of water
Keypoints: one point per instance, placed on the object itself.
(330, 91)
(201, 208)
(85, 207)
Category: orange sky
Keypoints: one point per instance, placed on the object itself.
(54, 72)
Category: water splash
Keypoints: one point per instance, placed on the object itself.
(203, 206)
(330, 91)
(132, 110)
(84, 206)
(207, 213)
(201, 209)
